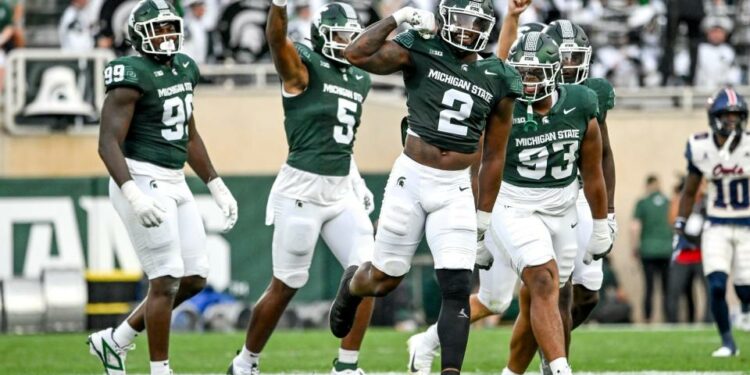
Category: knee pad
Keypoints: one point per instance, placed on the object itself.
(717, 284)
(743, 293)
(294, 279)
(454, 284)
(395, 219)
(299, 236)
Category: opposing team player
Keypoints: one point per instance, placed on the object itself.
(452, 98)
(147, 134)
(318, 191)
(555, 132)
(722, 156)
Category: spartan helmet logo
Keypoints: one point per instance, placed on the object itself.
(59, 94)
(401, 181)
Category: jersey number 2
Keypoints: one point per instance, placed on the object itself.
(176, 117)
(464, 111)
(344, 133)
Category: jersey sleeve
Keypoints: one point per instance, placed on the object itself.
(606, 95)
(406, 39)
(691, 168)
(125, 72)
(511, 85)
(592, 104)
(305, 53)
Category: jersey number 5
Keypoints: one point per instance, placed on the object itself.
(176, 117)
(344, 133)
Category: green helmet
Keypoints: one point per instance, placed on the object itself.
(575, 50)
(461, 19)
(531, 26)
(147, 19)
(537, 59)
(333, 28)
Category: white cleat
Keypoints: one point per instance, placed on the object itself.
(358, 371)
(421, 355)
(744, 322)
(103, 346)
(241, 370)
(725, 352)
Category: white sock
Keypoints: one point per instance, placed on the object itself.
(246, 358)
(348, 356)
(124, 334)
(160, 368)
(506, 371)
(431, 337)
(560, 366)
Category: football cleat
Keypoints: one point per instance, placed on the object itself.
(345, 369)
(103, 346)
(725, 352)
(421, 354)
(344, 307)
(238, 370)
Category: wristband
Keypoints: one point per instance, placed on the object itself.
(679, 223)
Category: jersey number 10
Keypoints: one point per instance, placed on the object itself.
(739, 196)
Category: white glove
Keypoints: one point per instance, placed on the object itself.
(484, 257)
(612, 223)
(225, 201)
(363, 194)
(421, 20)
(600, 243)
(149, 212)
(483, 222)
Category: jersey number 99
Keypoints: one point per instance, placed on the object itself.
(176, 117)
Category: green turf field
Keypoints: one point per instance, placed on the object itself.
(593, 350)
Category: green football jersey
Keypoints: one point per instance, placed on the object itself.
(321, 122)
(158, 132)
(449, 101)
(605, 93)
(546, 155)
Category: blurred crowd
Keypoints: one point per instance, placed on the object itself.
(637, 43)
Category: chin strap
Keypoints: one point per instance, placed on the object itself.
(530, 125)
(724, 152)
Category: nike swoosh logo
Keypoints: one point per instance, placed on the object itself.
(359, 77)
(462, 188)
(411, 364)
(573, 225)
(185, 65)
(487, 72)
(566, 111)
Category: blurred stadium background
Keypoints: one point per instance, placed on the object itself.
(66, 264)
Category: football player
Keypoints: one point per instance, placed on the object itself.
(147, 134)
(722, 156)
(555, 131)
(318, 191)
(452, 98)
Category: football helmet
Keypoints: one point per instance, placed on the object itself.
(536, 57)
(155, 29)
(531, 26)
(575, 50)
(333, 28)
(469, 21)
(727, 101)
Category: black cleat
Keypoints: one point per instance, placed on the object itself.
(344, 307)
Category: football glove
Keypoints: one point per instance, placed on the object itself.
(600, 243)
(484, 257)
(612, 223)
(420, 20)
(225, 201)
(363, 194)
(148, 211)
(681, 240)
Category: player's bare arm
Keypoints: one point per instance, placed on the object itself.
(687, 199)
(594, 186)
(509, 30)
(198, 158)
(293, 72)
(496, 136)
(608, 166)
(373, 53)
(117, 112)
